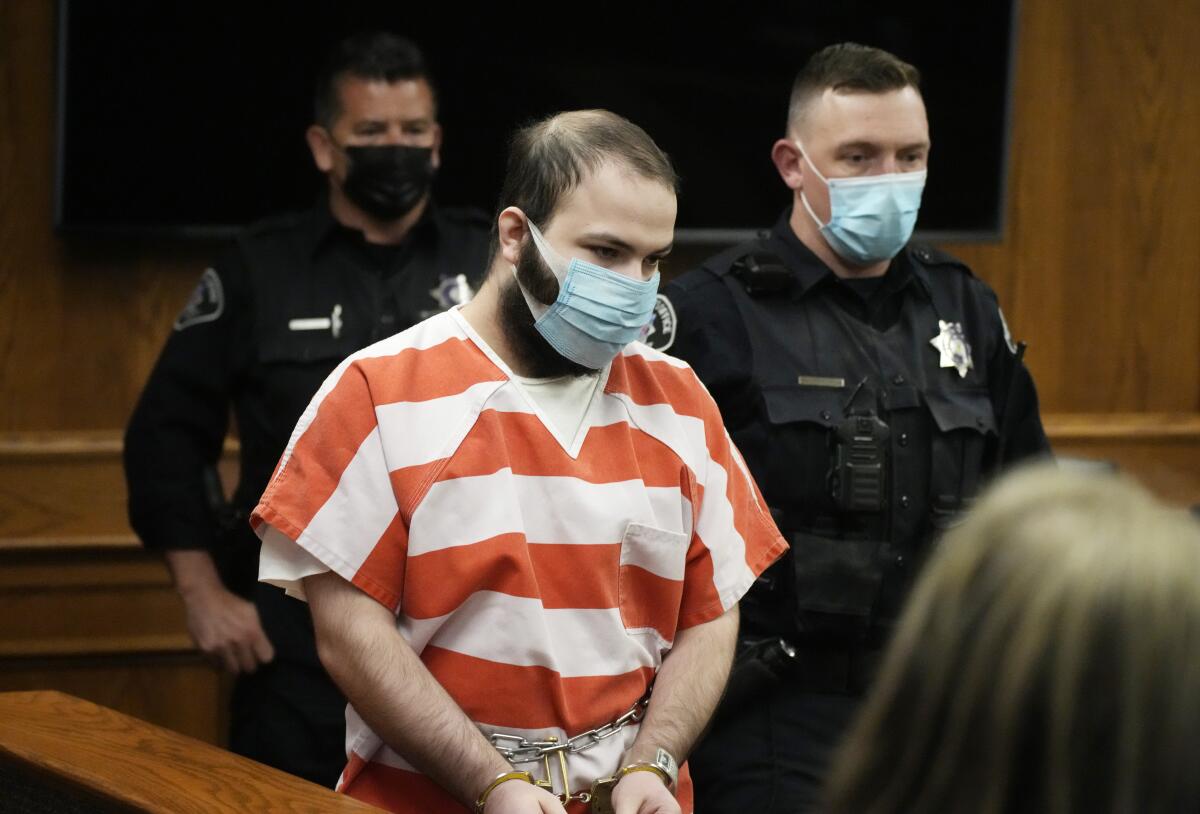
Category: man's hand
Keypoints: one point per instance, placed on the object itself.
(643, 793)
(519, 797)
(224, 626)
(227, 629)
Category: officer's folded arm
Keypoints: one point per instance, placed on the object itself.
(391, 689)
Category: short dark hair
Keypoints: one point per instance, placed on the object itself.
(366, 55)
(851, 67)
(550, 157)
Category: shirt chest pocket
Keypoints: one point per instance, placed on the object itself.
(801, 423)
(293, 365)
(305, 340)
(966, 427)
(650, 584)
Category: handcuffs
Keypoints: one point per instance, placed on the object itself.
(599, 796)
(663, 765)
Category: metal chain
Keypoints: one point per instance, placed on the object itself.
(523, 750)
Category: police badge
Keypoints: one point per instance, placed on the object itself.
(452, 291)
(951, 342)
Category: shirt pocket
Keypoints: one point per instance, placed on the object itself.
(966, 431)
(292, 346)
(801, 423)
(292, 365)
(821, 407)
(650, 584)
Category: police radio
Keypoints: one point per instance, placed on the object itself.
(763, 274)
(858, 477)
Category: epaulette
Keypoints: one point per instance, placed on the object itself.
(466, 215)
(762, 273)
(930, 256)
(695, 279)
(285, 222)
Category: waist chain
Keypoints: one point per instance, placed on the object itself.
(518, 749)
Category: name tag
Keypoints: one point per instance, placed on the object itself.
(331, 323)
(313, 324)
(821, 381)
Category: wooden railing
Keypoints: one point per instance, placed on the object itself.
(82, 757)
(1162, 450)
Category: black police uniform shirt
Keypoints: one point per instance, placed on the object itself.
(266, 325)
(788, 350)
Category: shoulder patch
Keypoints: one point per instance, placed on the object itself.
(206, 303)
(283, 222)
(660, 333)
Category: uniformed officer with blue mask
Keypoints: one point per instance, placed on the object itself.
(872, 386)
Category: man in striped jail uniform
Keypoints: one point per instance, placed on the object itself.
(522, 533)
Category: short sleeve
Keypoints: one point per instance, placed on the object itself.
(734, 537)
(332, 494)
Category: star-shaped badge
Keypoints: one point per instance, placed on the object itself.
(452, 291)
(951, 342)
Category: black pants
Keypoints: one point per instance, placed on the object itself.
(289, 714)
(770, 756)
(292, 717)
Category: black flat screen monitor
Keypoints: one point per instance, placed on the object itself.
(187, 118)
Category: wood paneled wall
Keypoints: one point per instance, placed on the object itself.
(83, 608)
(81, 322)
(1100, 265)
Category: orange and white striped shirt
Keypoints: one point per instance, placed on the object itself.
(541, 584)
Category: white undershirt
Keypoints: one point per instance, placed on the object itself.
(564, 401)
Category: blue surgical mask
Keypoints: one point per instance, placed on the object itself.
(871, 217)
(597, 312)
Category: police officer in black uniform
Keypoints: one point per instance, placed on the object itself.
(872, 387)
(266, 325)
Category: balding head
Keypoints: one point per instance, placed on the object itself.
(551, 157)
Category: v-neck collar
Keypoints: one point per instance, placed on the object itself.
(571, 446)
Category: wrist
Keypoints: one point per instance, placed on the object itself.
(194, 573)
(662, 763)
(497, 781)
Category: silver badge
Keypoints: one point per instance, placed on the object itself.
(660, 333)
(452, 291)
(951, 342)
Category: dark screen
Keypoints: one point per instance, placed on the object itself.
(189, 117)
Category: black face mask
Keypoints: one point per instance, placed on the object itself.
(387, 181)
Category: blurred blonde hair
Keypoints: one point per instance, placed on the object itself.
(1047, 661)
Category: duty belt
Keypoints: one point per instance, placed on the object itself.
(517, 749)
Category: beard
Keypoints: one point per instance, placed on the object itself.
(534, 354)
